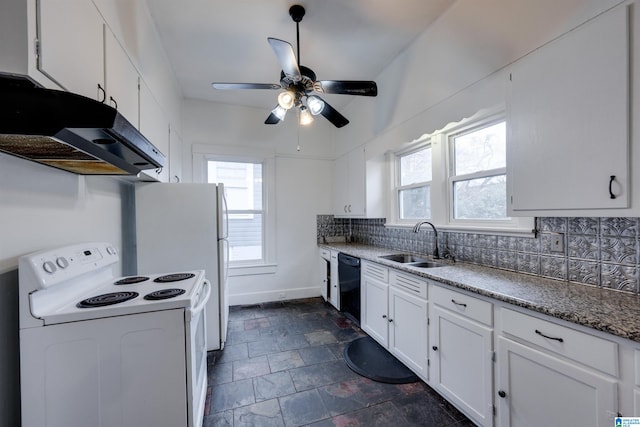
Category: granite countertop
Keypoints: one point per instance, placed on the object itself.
(603, 309)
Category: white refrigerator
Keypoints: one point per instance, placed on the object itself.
(182, 227)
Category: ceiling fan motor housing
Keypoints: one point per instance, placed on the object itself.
(296, 12)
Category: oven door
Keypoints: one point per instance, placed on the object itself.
(196, 333)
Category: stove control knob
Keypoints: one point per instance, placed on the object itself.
(62, 262)
(111, 250)
(49, 267)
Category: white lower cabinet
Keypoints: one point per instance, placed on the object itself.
(408, 330)
(334, 291)
(461, 352)
(636, 389)
(374, 320)
(551, 381)
(498, 364)
(394, 313)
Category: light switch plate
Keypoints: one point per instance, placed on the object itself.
(557, 242)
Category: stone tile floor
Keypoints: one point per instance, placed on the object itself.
(283, 365)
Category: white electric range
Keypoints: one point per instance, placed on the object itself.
(100, 350)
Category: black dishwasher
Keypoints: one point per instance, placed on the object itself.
(349, 281)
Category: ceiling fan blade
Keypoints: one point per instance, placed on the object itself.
(286, 57)
(333, 115)
(227, 86)
(347, 87)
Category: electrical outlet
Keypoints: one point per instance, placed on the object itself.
(557, 242)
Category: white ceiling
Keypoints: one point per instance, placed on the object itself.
(226, 41)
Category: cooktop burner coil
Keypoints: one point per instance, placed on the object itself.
(175, 277)
(164, 294)
(106, 299)
(131, 280)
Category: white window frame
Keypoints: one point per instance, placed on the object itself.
(202, 154)
(514, 224)
(442, 182)
(396, 187)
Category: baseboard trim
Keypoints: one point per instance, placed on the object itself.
(273, 295)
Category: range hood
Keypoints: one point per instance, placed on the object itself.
(70, 132)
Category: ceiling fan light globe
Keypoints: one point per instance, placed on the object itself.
(286, 100)
(279, 112)
(315, 104)
(305, 117)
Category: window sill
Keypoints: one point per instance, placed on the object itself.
(500, 231)
(250, 270)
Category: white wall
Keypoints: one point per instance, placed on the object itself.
(42, 207)
(303, 188)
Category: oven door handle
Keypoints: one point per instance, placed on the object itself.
(203, 299)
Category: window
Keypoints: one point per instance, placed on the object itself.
(243, 190)
(413, 184)
(478, 180)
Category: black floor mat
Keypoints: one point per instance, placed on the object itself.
(368, 358)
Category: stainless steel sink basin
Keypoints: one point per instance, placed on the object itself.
(426, 264)
(404, 258)
(413, 260)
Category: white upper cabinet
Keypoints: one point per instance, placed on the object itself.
(155, 127)
(175, 156)
(120, 79)
(71, 47)
(358, 186)
(568, 122)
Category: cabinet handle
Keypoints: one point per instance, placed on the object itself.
(435, 348)
(548, 337)
(349, 208)
(502, 394)
(345, 208)
(390, 320)
(461, 304)
(384, 316)
(104, 94)
(114, 102)
(611, 179)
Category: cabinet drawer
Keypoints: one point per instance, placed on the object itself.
(325, 253)
(465, 305)
(376, 271)
(582, 347)
(409, 283)
(637, 363)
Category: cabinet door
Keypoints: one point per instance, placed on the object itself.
(374, 316)
(155, 127)
(71, 39)
(121, 80)
(357, 182)
(408, 332)
(341, 186)
(175, 157)
(461, 365)
(349, 184)
(542, 390)
(334, 290)
(568, 135)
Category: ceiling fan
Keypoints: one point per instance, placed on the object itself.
(300, 84)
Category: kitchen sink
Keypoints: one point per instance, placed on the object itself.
(426, 264)
(404, 258)
(411, 260)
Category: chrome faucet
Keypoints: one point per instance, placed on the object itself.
(416, 228)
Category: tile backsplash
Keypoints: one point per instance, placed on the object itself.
(594, 251)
